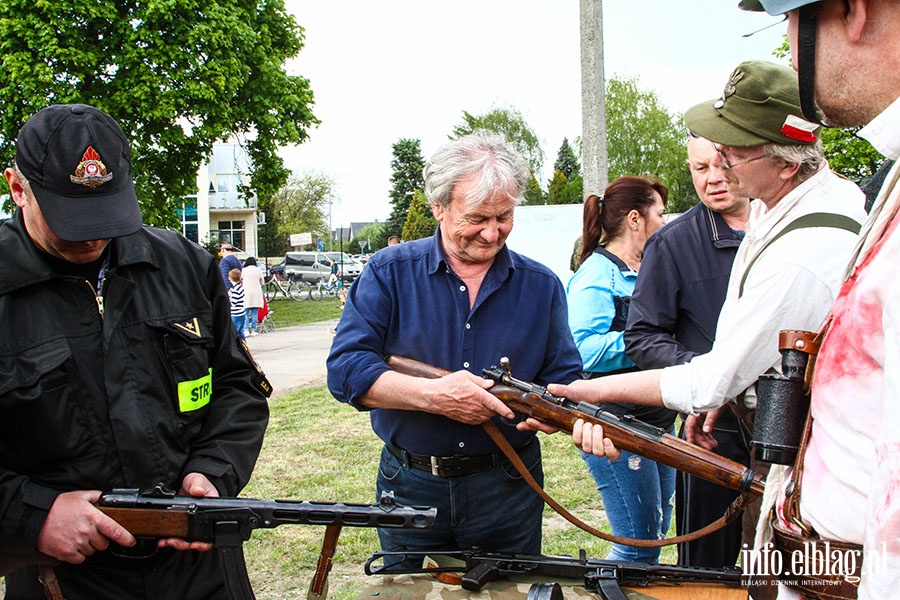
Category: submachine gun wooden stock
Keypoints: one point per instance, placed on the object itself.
(228, 522)
(626, 432)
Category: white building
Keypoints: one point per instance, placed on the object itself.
(219, 210)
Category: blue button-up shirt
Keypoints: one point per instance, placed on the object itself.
(408, 302)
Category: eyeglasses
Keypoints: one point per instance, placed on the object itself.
(727, 165)
(229, 249)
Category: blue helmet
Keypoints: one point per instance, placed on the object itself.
(773, 7)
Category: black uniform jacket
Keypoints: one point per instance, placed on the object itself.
(156, 387)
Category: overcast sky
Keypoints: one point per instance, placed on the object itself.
(392, 69)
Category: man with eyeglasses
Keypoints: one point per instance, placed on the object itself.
(786, 273)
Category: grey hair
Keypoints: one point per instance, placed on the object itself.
(481, 154)
(810, 157)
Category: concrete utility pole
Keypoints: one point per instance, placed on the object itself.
(593, 99)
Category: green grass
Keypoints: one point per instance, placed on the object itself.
(319, 449)
(290, 312)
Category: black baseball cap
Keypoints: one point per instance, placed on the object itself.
(78, 162)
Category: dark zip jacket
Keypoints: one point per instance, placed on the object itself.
(156, 387)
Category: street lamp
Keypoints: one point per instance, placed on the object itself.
(330, 228)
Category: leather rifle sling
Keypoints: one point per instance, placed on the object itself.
(52, 591)
(318, 587)
(730, 515)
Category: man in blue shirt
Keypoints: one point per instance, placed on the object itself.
(674, 310)
(229, 261)
(459, 300)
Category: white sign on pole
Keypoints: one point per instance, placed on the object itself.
(301, 239)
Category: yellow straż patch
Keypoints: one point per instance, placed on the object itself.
(195, 394)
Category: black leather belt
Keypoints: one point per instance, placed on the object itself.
(457, 465)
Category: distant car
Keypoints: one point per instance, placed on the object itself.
(312, 266)
(351, 268)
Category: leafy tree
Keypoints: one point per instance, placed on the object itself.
(178, 76)
(406, 178)
(534, 195)
(850, 155)
(567, 184)
(556, 187)
(299, 207)
(566, 161)
(573, 193)
(420, 222)
(373, 235)
(511, 124)
(644, 139)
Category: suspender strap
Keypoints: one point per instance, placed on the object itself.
(811, 220)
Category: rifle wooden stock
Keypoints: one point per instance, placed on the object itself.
(141, 522)
(626, 433)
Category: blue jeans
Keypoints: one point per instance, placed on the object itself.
(638, 496)
(240, 322)
(494, 510)
(252, 318)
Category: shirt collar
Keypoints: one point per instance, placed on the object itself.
(883, 132)
(34, 266)
(438, 259)
(723, 236)
(613, 259)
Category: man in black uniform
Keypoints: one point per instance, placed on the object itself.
(119, 367)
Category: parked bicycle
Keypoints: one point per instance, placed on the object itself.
(295, 290)
(322, 288)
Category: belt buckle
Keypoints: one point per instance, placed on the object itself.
(435, 467)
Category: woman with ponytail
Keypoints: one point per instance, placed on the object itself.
(638, 494)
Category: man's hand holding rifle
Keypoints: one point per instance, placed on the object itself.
(592, 428)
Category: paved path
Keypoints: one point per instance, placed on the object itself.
(293, 357)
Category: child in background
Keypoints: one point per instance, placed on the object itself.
(236, 297)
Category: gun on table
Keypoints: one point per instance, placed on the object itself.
(626, 432)
(603, 577)
(228, 522)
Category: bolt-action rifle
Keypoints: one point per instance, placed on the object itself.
(626, 432)
(228, 522)
(603, 577)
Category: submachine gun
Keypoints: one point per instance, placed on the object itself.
(602, 577)
(228, 522)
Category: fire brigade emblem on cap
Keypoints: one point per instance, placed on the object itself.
(90, 172)
(77, 161)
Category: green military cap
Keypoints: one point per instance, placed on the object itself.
(760, 104)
